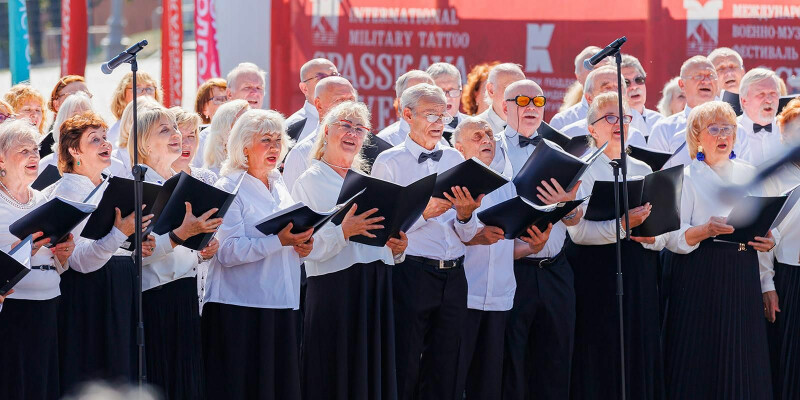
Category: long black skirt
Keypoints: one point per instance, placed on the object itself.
(250, 353)
(784, 334)
(596, 369)
(29, 349)
(97, 325)
(172, 342)
(348, 341)
(715, 338)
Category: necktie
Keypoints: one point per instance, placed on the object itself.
(524, 141)
(434, 155)
(757, 128)
(454, 123)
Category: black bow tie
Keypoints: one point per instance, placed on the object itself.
(434, 155)
(524, 141)
(454, 123)
(757, 128)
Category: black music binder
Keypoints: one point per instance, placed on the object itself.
(372, 148)
(757, 215)
(49, 175)
(515, 215)
(472, 174)
(733, 100)
(302, 217)
(56, 219)
(577, 146)
(15, 265)
(655, 159)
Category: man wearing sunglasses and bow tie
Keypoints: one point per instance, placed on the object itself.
(759, 93)
(634, 76)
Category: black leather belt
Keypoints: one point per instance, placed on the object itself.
(43, 267)
(438, 264)
(540, 262)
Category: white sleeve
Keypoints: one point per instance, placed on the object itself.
(235, 247)
(676, 240)
(90, 255)
(329, 239)
(293, 167)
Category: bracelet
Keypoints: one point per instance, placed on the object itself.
(465, 221)
(175, 238)
(570, 216)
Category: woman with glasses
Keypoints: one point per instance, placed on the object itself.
(591, 250)
(123, 94)
(66, 86)
(715, 339)
(210, 95)
(348, 336)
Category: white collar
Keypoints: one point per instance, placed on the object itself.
(495, 118)
(310, 110)
(415, 149)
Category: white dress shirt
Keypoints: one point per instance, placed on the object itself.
(251, 269)
(121, 154)
(437, 238)
(644, 122)
(310, 113)
(662, 132)
(573, 114)
(497, 122)
(579, 128)
(605, 232)
(787, 234)
(298, 160)
(318, 188)
(112, 134)
(762, 146)
(395, 133)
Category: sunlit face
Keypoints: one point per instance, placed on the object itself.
(250, 87)
(524, 120)
(94, 152)
(678, 102)
(21, 163)
(263, 152)
(700, 84)
(313, 75)
(345, 138)
(165, 142)
(32, 111)
(604, 82)
(637, 88)
(217, 99)
(717, 140)
(730, 73)
(333, 95)
(189, 144)
(477, 140)
(605, 129)
(761, 101)
(422, 131)
(142, 89)
(70, 89)
(452, 92)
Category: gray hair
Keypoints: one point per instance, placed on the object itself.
(588, 52)
(402, 82)
(76, 103)
(251, 123)
(667, 94)
(629, 61)
(313, 63)
(147, 120)
(691, 62)
(601, 101)
(15, 132)
(214, 152)
(126, 120)
(414, 94)
(438, 69)
(757, 75)
(469, 122)
(353, 111)
(588, 87)
(725, 52)
(503, 68)
(244, 68)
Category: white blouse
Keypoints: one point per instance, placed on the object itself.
(787, 234)
(251, 269)
(318, 188)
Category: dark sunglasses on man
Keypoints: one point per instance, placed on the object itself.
(321, 75)
(639, 80)
(524, 101)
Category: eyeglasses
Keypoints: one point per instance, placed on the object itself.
(5, 117)
(358, 130)
(639, 80)
(321, 75)
(453, 93)
(524, 101)
(720, 130)
(218, 99)
(432, 118)
(613, 119)
(148, 90)
(702, 77)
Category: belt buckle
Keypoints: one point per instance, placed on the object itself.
(742, 247)
(542, 262)
(441, 264)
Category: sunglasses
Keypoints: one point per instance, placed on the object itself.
(524, 101)
(613, 119)
(639, 80)
(720, 130)
(321, 75)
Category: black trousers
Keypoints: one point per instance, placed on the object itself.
(540, 331)
(481, 373)
(430, 309)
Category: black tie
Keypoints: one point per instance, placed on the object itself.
(434, 155)
(454, 123)
(524, 141)
(757, 128)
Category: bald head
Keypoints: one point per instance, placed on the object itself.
(312, 72)
(600, 80)
(331, 91)
(498, 80)
(527, 119)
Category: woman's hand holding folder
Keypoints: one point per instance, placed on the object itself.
(127, 225)
(192, 226)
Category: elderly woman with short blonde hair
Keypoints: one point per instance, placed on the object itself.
(213, 144)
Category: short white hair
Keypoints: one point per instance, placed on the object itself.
(416, 93)
(469, 121)
(503, 68)
(667, 94)
(588, 87)
(757, 75)
(214, 152)
(629, 61)
(438, 69)
(402, 82)
(313, 63)
(691, 62)
(75, 103)
(587, 52)
(353, 111)
(251, 123)
(725, 52)
(244, 68)
(16, 132)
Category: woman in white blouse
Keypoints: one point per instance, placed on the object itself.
(592, 254)
(97, 319)
(784, 334)
(348, 332)
(28, 317)
(214, 140)
(125, 125)
(250, 308)
(715, 343)
(169, 302)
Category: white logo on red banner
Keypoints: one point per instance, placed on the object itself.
(537, 57)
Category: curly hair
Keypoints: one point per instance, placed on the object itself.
(70, 137)
(476, 77)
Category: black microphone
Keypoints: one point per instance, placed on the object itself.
(123, 57)
(609, 50)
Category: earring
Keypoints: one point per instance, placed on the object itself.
(79, 162)
(732, 156)
(246, 159)
(2, 173)
(700, 155)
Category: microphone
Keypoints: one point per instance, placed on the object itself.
(612, 48)
(123, 57)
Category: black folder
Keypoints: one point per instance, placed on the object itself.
(472, 174)
(400, 206)
(548, 161)
(372, 148)
(577, 146)
(756, 215)
(47, 177)
(181, 188)
(515, 215)
(302, 217)
(56, 218)
(119, 194)
(733, 100)
(601, 203)
(784, 101)
(655, 159)
(15, 265)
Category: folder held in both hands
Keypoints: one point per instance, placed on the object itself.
(756, 216)
(515, 215)
(655, 159)
(577, 146)
(15, 265)
(302, 217)
(56, 219)
(472, 174)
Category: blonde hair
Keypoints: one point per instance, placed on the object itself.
(21, 93)
(184, 117)
(118, 97)
(671, 88)
(600, 102)
(215, 151)
(147, 120)
(704, 115)
(251, 123)
(6, 108)
(790, 113)
(572, 96)
(126, 121)
(355, 112)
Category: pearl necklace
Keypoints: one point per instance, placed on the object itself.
(333, 165)
(11, 199)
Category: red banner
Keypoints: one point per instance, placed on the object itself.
(205, 32)
(74, 37)
(172, 52)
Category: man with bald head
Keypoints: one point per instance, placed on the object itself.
(305, 120)
(396, 133)
(329, 92)
(574, 92)
(499, 78)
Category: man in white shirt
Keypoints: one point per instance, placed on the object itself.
(499, 78)
(448, 78)
(430, 286)
(759, 94)
(247, 81)
(329, 92)
(396, 133)
(634, 76)
(304, 121)
(730, 68)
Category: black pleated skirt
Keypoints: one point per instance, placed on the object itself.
(348, 341)
(29, 349)
(784, 334)
(172, 340)
(97, 325)
(596, 369)
(715, 338)
(250, 353)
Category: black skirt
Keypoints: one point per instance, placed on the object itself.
(29, 349)
(715, 338)
(250, 353)
(348, 341)
(784, 334)
(97, 325)
(172, 340)
(596, 369)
